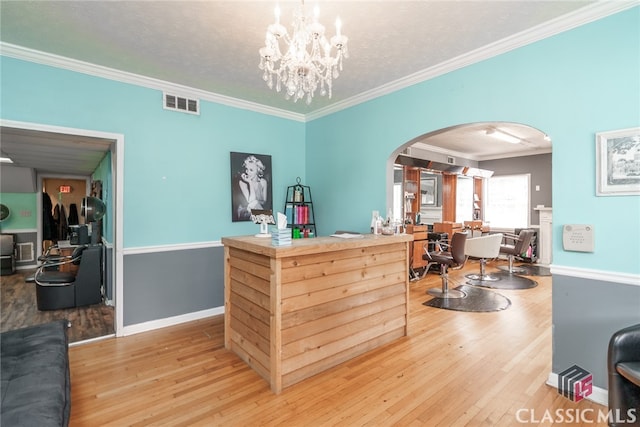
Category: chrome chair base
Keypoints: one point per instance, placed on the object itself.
(482, 277)
(449, 293)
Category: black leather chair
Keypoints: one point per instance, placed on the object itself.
(623, 365)
(453, 258)
(7, 254)
(514, 246)
(64, 289)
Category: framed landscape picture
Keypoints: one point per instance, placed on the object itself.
(618, 162)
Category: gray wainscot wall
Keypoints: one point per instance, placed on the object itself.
(586, 312)
(168, 283)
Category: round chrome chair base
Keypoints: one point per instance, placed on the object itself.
(483, 278)
(451, 293)
(514, 270)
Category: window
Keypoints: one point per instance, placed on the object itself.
(507, 201)
(464, 199)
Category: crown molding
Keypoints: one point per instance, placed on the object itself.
(556, 26)
(479, 158)
(44, 58)
(566, 22)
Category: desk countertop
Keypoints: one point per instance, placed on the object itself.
(263, 245)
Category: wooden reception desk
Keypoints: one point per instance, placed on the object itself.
(294, 311)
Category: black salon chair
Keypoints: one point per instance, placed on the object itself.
(453, 258)
(623, 365)
(65, 289)
(7, 254)
(514, 246)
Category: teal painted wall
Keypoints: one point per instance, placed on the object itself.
(177, 172)
(176, 167)
(20, 203)
(570, 86)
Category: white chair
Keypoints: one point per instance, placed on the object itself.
(484, 248)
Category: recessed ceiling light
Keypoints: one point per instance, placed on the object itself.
(503, 136)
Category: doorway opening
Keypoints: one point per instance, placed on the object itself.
(54, 153)
(439, 181)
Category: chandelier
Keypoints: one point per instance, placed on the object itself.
(307, 61)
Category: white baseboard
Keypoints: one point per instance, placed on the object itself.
(600, 275)
(169, 321)
(103, 337)
(598, 395)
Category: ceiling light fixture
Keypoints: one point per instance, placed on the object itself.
(307, 61)
(503, 136)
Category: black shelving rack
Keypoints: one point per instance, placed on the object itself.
(298, 207)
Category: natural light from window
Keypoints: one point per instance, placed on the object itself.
(507, 201)
(464, 199)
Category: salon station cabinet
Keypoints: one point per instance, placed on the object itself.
(420, 238)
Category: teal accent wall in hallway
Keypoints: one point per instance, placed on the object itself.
(24, 213)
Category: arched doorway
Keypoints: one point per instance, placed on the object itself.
(442, 175)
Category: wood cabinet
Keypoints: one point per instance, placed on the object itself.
(292, 312)
(419, 233)
(411, 192)
(447, 227)
(449, 194)
(478, 185)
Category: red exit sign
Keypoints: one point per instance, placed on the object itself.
(65, 189)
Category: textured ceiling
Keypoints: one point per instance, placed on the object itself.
(213, 46)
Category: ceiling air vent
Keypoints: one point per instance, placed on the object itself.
(180, 103)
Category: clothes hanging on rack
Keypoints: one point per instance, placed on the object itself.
(73, 214)
(62, 225)
(49, 229)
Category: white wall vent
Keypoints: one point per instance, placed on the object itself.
(25, 252)
(451, 160)
(181, 103)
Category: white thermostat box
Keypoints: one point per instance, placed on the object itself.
(577, 237)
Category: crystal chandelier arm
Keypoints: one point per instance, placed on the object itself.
(307, 62)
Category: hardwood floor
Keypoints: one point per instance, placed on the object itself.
(454, 369)
(19, 309)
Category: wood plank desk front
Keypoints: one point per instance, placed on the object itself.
(294, 311)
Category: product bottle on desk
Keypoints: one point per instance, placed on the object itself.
(374, 216)
(377, 229)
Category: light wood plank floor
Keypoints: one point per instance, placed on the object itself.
(455, 369)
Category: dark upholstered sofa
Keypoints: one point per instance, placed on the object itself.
(35, 382)
(624, 376)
